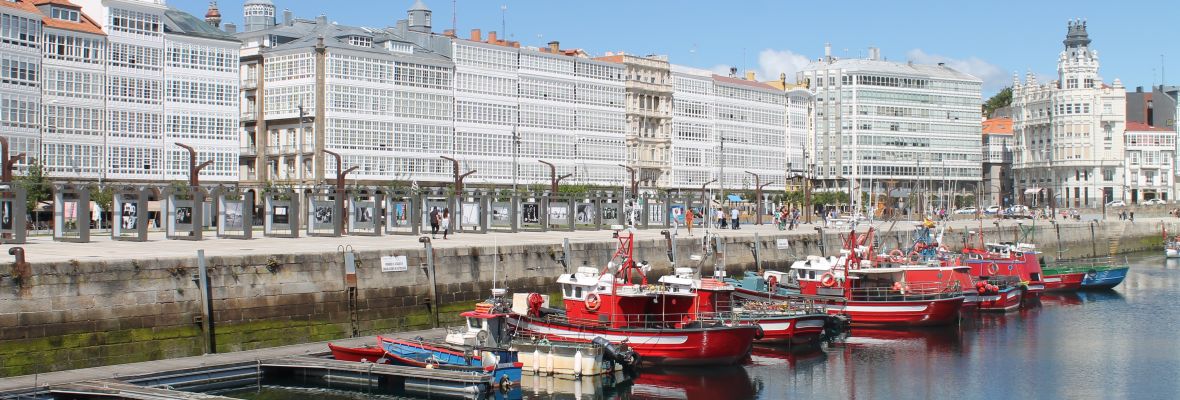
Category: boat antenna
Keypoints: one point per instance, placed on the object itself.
(496, 261)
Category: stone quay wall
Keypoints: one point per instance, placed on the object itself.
(76, 314)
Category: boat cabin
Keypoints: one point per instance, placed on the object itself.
(590, 296)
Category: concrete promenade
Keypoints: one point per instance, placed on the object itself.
(124, 371)
(42, 249)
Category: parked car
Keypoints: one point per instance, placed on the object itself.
(1117, 203)
(1155, 202)
(1018, 209)
(966, 211)
(992, 210)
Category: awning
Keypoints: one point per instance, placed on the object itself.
(1032, 190)
(734, 197)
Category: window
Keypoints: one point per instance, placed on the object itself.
(361, 41)
(1108, 174)
(64, 14)
(135, 22)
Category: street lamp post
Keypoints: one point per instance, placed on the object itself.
(706, 205)
(340, 173)
(634, 183)
(758, 185)
(194, 170)
(458, 187)
(9, 163)
(554, 180)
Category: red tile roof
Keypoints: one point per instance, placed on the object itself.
(23, 5)
(997, 126)
(1142, 127)
(85, 25)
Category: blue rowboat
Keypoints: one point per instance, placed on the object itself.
(1104, 278)
(501, 364)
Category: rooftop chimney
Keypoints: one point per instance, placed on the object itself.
(750, 76)
(554, 47)
(449, 33)
(1139, 89)
(476, 35)
(231, 28)
(874, 53)
(321, 20)
(828, 51)
(492, 37)
(733, 72)
(288, 18)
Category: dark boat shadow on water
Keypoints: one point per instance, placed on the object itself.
(717, 382)
(1101, 295)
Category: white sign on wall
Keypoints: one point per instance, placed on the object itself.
(394, 264)
(783, 244)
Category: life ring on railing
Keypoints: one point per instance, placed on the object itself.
(772, 283)
(827, 279)
(896, 255)
(915, 257)
(593, 302)
(993, 269)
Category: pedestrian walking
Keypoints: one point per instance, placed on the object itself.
(445, 221)
(734, 214)
(1132, 216)
(434, 217)
(688, 217)
(720, 215)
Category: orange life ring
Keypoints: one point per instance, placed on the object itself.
(896, 255)
(827, 279)
(593, 302)
(993, 269)
(772, 283)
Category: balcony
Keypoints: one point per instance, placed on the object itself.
(648, 87)
(248, 151)
(248, 116)
(249, 84)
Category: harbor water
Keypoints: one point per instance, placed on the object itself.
(1116, 344)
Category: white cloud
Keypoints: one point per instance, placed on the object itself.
(771, 63)
(994, 78)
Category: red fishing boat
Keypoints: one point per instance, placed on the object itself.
(794, 321)
(618, 304)
(877, 295)
(1013, 260)
(367, 353)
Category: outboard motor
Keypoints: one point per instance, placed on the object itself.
(621, 354)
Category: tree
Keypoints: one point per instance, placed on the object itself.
(104, 198)
(1000, 100)
(36, 185)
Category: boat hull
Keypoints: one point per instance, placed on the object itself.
(900, 313)
(718, 345)
(357, 354)
(790, 329)
(1104, 279)
(562, 359)
(1172, 253)
(1064, 282)
(886, 313)
(1004, 301)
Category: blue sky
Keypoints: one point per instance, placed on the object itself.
(990, 39)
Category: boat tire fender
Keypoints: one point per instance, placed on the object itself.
(758, 332)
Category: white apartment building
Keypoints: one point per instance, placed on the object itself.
(382, 102)
(725, 128)
(518, 106)
(1150, 162)
(880, 123)
(73, 93)
(167, 79)
(1069, 149)
(20, 77)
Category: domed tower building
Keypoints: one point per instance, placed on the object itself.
(1069, 133)
(419, 17)
(213, 15)
(259, 15)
